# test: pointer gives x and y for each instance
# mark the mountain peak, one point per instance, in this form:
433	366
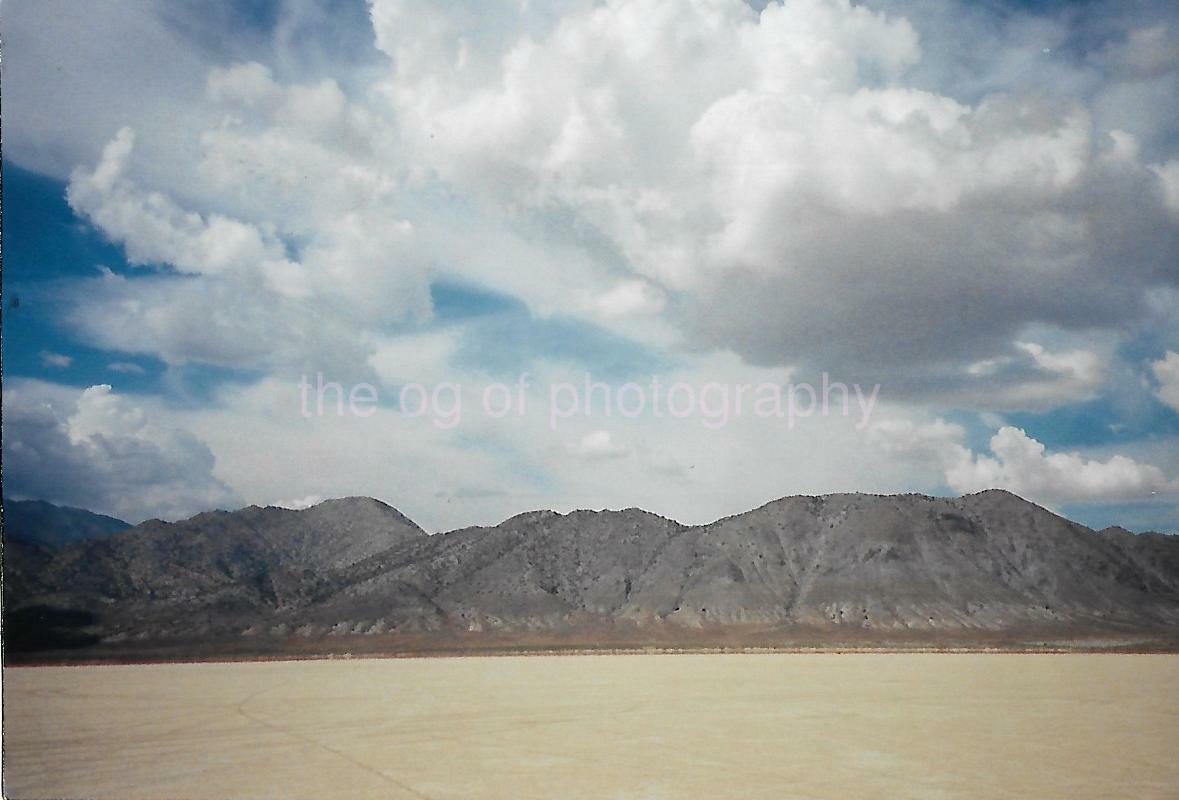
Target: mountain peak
998	494
354	500
358	507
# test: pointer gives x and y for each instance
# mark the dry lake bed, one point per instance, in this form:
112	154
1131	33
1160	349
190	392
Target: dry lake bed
609	726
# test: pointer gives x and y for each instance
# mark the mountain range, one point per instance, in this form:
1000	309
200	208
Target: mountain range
355	575
45	524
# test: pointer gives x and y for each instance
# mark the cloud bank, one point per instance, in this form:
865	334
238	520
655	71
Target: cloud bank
1023	465
101	451
973	206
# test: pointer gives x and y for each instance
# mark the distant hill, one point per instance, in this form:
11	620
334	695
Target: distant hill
356	574
47	525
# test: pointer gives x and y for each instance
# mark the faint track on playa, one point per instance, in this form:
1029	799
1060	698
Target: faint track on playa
240	708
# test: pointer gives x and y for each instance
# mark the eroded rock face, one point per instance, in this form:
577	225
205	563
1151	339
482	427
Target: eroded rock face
356	567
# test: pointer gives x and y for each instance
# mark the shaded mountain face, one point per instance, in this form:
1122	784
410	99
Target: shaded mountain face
205	574
44	524
875	565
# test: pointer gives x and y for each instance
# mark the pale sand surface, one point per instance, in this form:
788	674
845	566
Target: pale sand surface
724	726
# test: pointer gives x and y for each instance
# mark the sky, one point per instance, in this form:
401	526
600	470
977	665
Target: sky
687	255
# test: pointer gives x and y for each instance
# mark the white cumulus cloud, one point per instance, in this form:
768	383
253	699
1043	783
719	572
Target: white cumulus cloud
972	209
1020	464
778	172
99	450
598	445
1166	372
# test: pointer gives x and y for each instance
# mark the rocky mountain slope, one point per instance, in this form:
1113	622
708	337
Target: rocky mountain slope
876	567
47	525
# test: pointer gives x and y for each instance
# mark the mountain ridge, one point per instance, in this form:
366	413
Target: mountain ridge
48	525
877	567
